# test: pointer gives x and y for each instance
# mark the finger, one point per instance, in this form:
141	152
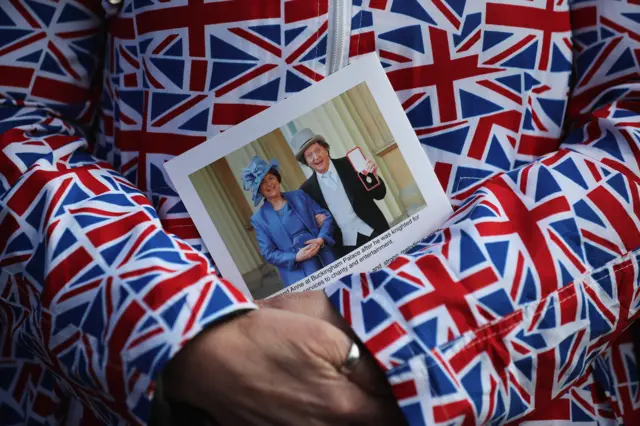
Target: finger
368	375
346	401
370	379
350	404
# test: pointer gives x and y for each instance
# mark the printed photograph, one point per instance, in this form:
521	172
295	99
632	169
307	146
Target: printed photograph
309	193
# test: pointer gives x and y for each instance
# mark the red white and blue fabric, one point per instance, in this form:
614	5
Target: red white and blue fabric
515	311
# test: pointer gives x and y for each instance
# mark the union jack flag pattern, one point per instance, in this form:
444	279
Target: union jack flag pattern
515	311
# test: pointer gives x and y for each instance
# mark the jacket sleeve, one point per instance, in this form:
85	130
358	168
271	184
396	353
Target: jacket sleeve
326	230
92	286
269	251
380	191
532	278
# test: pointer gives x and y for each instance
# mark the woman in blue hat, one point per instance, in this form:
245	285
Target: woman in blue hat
286	229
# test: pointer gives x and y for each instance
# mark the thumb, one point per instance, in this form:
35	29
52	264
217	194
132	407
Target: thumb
365	385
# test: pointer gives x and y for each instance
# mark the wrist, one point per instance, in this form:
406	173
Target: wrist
181	379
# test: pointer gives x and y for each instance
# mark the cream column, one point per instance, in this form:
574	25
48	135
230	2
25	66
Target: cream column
227	219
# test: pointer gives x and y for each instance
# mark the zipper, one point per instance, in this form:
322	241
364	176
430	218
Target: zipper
339	32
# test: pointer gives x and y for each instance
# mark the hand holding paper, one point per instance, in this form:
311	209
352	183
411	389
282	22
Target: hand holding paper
371	168
360	163
368	375
358	160
234	381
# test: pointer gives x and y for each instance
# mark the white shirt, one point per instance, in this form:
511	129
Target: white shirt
340	206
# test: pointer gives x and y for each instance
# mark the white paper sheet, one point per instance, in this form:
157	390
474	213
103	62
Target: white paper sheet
417	223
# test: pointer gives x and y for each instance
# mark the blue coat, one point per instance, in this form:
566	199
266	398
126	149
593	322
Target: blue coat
276	247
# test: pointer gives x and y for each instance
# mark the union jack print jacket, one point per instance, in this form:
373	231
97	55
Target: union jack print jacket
516	311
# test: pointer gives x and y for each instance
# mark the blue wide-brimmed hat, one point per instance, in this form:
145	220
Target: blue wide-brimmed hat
253	175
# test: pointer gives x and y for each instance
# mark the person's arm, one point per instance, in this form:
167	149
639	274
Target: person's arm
533	277
91	274
269	251
91	253
328	224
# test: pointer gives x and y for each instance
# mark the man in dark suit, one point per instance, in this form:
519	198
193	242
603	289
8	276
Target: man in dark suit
336	186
